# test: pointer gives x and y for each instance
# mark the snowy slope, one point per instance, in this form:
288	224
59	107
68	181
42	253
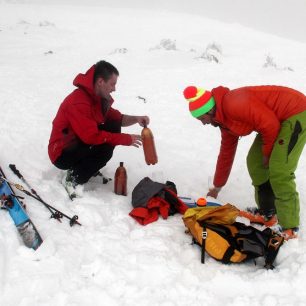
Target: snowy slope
111	260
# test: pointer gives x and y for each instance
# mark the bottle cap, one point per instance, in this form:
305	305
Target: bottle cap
201	202
121	164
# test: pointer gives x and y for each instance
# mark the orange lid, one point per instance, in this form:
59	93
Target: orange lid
201	202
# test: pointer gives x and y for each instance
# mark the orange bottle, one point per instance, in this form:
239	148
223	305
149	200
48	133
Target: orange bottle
148	146
120	180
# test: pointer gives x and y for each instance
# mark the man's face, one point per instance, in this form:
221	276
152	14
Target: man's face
205	119
105	88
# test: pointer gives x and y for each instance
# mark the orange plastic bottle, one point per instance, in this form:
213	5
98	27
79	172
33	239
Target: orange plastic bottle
148	146
120	180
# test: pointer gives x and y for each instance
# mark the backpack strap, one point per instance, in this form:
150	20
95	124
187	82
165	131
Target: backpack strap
224	232
204	236
273	247
228	254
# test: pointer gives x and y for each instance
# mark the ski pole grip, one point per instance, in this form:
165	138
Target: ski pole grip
14	169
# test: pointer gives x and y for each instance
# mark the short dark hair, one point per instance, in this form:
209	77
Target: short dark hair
104	70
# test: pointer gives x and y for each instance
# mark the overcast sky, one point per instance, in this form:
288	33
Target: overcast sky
286	18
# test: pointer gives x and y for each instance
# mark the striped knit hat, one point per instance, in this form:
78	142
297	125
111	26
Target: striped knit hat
200	100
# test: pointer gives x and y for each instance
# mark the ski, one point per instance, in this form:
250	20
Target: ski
54	214
10	202
253	215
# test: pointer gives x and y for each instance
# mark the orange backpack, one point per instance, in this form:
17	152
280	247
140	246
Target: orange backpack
215	229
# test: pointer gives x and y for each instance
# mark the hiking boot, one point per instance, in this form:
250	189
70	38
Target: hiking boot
270	221
70	184
290	233
101	178
255	216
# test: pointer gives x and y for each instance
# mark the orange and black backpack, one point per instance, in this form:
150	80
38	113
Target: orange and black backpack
215	229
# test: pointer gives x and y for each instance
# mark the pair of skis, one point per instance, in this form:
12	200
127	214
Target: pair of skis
55	213
11	202
15	207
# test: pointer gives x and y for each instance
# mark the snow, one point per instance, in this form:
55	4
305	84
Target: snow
111	259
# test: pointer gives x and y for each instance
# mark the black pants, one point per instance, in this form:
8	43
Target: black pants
86	160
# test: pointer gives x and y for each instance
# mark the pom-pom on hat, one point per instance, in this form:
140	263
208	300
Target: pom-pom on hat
200	100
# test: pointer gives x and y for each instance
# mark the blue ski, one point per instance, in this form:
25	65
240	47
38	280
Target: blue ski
12	204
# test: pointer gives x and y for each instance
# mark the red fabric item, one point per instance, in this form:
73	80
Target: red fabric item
156	206
149	214
79	116
242	111
161	205
181	206
144	216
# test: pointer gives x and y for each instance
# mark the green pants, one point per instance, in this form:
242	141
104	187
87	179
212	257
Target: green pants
275	186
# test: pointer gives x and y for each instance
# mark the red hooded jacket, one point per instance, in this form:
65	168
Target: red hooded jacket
242	111
78	117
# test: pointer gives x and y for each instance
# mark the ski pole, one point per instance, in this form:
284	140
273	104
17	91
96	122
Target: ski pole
54	214
58	214
16	171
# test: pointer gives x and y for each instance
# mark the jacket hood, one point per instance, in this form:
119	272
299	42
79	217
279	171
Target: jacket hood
218	94
85	81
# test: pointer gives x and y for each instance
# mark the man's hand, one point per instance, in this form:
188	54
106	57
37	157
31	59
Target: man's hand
213	192
143	120
136	140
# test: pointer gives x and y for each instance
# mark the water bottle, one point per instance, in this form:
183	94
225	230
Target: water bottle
148	146
120	180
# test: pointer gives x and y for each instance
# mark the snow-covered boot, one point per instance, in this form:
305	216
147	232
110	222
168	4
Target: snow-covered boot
70	184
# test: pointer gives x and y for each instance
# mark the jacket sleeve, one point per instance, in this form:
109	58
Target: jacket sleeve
114	114
226	158
86	128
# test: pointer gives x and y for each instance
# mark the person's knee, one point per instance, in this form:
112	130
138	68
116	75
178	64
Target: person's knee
61	164
104	151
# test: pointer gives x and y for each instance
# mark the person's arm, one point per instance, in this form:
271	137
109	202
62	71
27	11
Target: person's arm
224	163
128	120
85	127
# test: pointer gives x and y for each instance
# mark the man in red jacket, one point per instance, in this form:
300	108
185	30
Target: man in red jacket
278	115
87	128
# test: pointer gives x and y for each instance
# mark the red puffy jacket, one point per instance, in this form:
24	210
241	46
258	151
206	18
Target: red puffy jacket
241	111
78	117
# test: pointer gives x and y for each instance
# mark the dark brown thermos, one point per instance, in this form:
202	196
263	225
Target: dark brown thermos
120	180
148	146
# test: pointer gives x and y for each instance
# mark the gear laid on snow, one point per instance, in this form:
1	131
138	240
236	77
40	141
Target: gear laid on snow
14	206
151	199
55	213
215	229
